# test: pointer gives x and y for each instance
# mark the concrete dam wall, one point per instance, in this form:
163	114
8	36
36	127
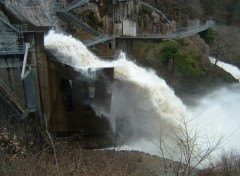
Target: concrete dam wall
34	83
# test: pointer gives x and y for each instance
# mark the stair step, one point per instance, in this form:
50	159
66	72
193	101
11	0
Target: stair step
79	23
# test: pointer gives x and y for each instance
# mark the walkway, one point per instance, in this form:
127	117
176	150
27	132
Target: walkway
176	35
97	40
100	37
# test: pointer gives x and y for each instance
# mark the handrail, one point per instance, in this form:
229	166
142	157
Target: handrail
176	35
76	4
81	24
5	85
12	48
97	40
8	24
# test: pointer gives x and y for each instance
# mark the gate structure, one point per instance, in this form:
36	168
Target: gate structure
34	84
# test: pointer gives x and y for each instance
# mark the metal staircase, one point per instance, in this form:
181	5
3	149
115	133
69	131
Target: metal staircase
78	22
99	37
75	4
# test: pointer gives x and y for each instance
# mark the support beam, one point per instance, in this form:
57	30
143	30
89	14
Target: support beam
23	73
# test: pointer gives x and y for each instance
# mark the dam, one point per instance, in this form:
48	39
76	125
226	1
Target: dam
36	85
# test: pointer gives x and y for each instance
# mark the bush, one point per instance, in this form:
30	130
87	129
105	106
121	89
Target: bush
208	36
169	50
227	164
183	56
186	64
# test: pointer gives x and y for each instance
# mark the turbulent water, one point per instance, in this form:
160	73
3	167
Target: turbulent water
233	70
220	111
144	108
153	94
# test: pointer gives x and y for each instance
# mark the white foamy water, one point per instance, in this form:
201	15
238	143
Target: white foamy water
143	105
219	110
72	52
233	70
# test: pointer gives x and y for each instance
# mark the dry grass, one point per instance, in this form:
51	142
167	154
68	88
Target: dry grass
76	161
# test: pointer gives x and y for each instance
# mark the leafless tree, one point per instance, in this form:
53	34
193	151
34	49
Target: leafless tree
189	149
121	132
228	164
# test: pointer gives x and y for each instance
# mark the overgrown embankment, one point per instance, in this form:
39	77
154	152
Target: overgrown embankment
184	64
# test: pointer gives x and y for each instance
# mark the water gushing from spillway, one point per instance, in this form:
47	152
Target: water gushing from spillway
143	105
233	70
158	97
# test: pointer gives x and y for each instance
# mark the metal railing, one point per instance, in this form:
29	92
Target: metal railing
12	49
97	40
5	86
9	25
76	4
11	36
176	35
99	37
78	22
21	27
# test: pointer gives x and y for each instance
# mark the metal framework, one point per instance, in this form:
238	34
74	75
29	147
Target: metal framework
76	4
78	22
99	37
11	37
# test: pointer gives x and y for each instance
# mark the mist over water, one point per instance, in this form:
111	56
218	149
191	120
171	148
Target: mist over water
220	111
143	105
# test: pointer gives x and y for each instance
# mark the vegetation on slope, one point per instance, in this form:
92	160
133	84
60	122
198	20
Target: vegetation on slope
208	36
184	64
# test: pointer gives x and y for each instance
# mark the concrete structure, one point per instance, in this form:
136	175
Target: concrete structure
35	84
73	98
129	28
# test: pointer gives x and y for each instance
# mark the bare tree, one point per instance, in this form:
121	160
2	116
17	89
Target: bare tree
121	132
228	164
189	149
